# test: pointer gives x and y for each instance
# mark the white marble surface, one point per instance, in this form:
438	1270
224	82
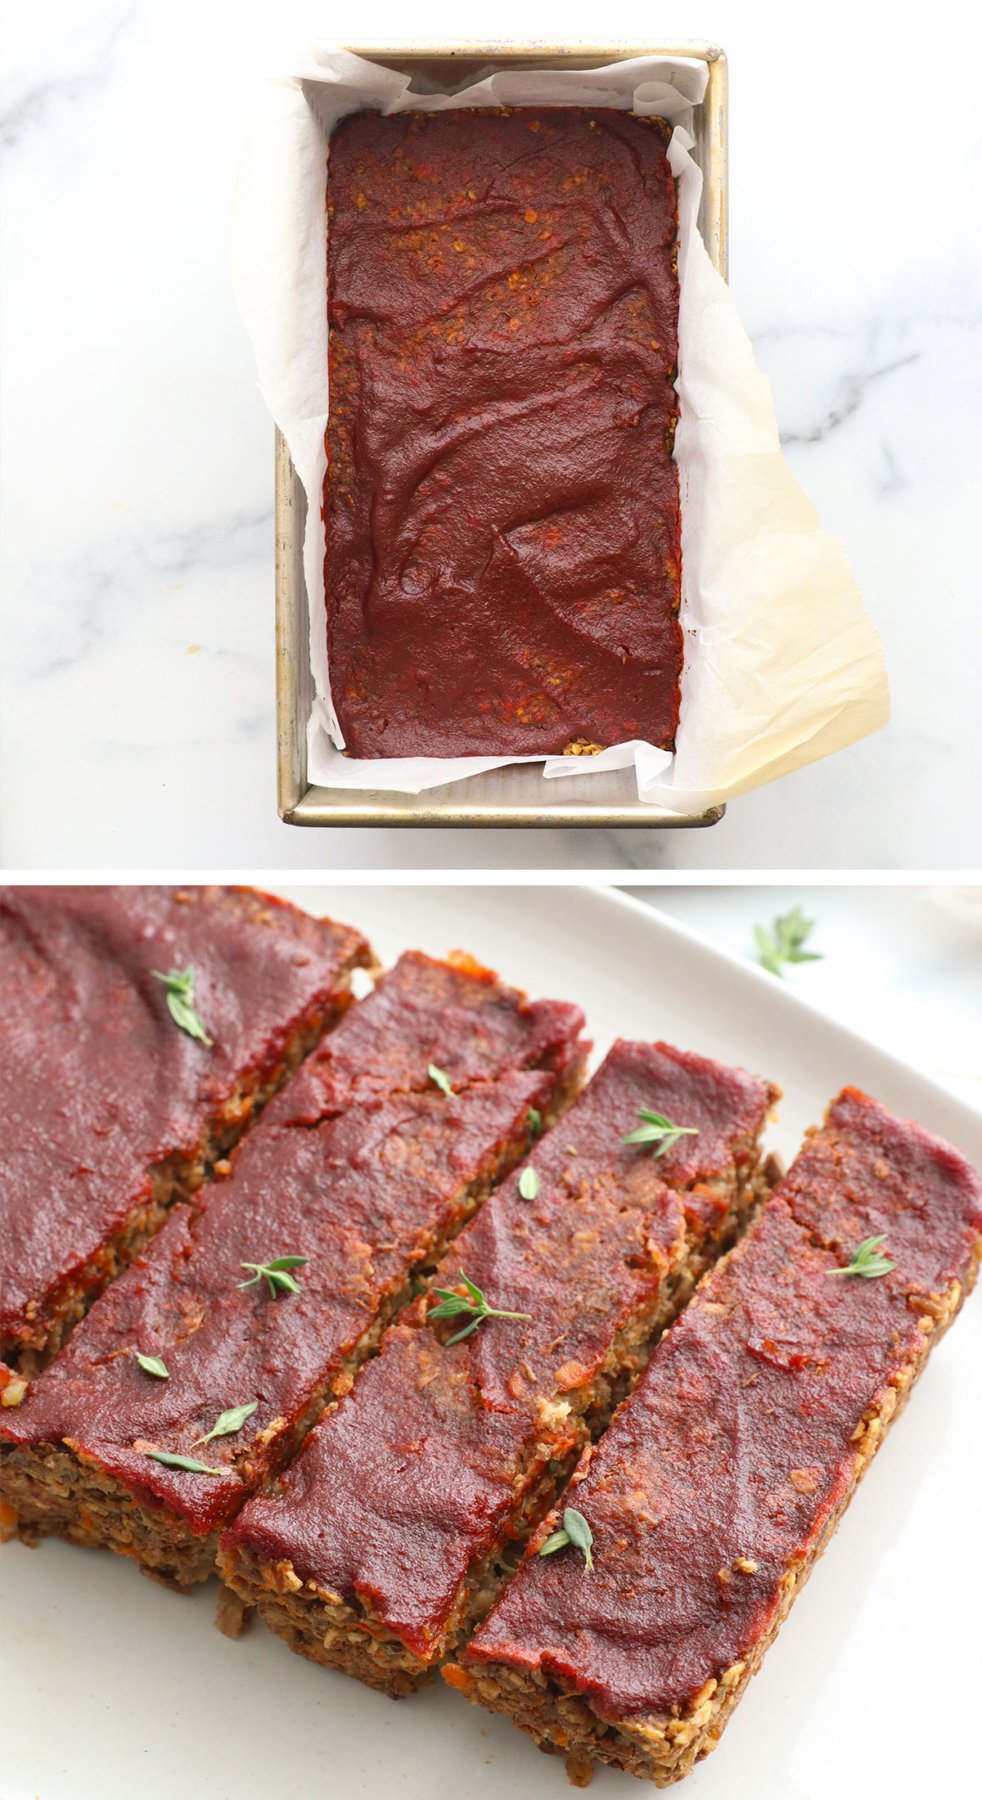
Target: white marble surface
136	707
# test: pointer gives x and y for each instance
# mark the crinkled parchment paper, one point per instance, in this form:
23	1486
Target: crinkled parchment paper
782	663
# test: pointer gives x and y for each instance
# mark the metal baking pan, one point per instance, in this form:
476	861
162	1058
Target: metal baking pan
516	795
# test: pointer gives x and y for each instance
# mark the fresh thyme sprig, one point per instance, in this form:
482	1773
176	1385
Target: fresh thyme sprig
656	1129
276	1273
440	1080
228	1422
152	1365
528	1184
783	941
190	1463
180	1002
575	1531
452	1303
866	1261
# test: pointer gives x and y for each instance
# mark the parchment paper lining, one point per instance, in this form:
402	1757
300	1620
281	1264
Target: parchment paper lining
782	664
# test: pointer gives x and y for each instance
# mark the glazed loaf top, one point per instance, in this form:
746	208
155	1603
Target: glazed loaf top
501	503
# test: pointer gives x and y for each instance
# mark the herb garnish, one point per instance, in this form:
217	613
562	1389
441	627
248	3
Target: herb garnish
190	1463
782	943
535	1122
575	1531
441	1080
227	1422
152	1365
528	1184
659	1130
180	1001
865	1260
452	1303
276	1274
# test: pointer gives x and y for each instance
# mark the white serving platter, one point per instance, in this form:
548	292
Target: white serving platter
116	1688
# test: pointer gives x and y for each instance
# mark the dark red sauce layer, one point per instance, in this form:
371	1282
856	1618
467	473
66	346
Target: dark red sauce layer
98	1083
454	1014
867	1172
501	504
358	1189
721	1472
415	1477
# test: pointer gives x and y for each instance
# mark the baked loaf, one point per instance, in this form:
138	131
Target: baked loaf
408	1507
501	504
361	1168
725	1474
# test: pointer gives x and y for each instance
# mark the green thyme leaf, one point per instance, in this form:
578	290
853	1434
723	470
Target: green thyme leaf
783	942
453	1304
579	1533
459	1336
152	1365
228	1422
535	1122
576	1531
277	1274
472	1288
190	1463
528	1184
441	1080
865	1260
656	1129
180	1002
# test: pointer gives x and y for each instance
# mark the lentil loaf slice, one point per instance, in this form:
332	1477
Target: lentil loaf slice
109	1111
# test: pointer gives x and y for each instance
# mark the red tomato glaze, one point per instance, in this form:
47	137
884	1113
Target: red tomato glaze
501	504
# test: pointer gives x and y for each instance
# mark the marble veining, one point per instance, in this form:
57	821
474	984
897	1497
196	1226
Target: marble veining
90	63
136	674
